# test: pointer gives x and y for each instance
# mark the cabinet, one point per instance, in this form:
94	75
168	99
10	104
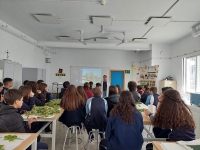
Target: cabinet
33	74
11	70
167	83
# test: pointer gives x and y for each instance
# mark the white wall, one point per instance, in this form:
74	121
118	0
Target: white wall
145	58
181	47
21	51
114	59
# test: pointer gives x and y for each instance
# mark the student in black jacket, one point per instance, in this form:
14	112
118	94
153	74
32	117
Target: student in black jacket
10	120
38	95
73	104
132	88
112	99
8	83
66	84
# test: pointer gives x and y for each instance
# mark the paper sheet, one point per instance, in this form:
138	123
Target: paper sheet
141	106
11	145
171	146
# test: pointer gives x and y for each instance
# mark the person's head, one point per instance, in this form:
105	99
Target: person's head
153	90
91	83
66	84
119	89
139	87
8	82
173	113
160	97
24	83
96	91
13	97
71	100
33	85
104	77
81	91
26	92
132	85
43	87
98	85
124	108
40	81
145	88
112	90
1	86
86	85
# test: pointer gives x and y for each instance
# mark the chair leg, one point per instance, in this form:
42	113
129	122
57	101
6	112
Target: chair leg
97	134
65	139
76	139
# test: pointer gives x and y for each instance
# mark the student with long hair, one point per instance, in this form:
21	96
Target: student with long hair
132	88
81	91
38	95
125	125
87	90
112	99
119	89
73	104
173	119
145	94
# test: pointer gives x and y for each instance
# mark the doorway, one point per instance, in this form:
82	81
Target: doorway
118	77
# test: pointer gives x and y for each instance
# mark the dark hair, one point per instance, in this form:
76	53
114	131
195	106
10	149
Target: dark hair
33	85
125	108
173	112
6	80
96	91
24	83
119	88
40	81
12	95
71	100
153	89
1	84
146	88
98	84
166	88
25	91
105	76
42	87
66	84
112	90
132	86
139	87
86	85
91	83
81	91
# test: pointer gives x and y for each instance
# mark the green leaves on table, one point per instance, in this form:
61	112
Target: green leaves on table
2	147
11	138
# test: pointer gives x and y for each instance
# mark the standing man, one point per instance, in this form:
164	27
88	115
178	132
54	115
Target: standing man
105	86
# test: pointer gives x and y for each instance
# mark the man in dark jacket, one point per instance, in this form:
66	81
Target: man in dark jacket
10	120
8	83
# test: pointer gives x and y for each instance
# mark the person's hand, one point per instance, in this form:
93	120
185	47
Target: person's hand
39	92
147	112
46	89
30	121
31	94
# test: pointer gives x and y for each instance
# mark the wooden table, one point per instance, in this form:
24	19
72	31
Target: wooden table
156	145
31	140
53	121
146	119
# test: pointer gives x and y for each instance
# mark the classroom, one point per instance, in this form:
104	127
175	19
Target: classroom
99	75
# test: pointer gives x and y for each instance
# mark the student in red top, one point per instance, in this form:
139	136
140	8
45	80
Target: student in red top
87	90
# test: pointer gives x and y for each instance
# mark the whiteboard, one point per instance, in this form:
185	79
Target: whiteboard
80	75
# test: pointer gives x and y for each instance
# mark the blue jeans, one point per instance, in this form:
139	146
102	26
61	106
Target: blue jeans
104	94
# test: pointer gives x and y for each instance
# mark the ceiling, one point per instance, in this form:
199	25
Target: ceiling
128	16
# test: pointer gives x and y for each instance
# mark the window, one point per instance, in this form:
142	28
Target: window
192	74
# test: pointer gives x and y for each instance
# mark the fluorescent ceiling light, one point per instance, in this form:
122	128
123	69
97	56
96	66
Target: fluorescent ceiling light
106	21
64	38
47	18
102	40
158	22
140	39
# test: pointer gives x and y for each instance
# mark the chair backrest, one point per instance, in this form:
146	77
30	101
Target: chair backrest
101	147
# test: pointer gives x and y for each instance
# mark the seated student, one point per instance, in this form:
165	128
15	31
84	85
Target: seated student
81	91
66	84
44	89
38	95
153	97
91	84
145	94
1	95
28	100
96	110
10	120
139	89
87	90
132	88
40	81
98	85
119	89
8	83
125	125
73	104
112	99
175	118
26	81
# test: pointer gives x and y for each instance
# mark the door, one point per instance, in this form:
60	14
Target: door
117	77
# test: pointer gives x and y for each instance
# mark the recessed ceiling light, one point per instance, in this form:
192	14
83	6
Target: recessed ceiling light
158	22
47	18
106	21
64	38
140	39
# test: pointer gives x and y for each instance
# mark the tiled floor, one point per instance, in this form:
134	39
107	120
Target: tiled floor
60	136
